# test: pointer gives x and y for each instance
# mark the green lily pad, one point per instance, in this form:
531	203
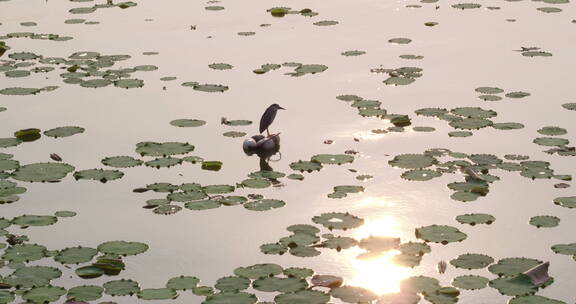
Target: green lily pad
157	294
546	221
258	271
256	183
507	126
44	294
85	293
98	175
220	66
568	249
24	253
267	174
399	80
464	6
231	297
75	255
333	158
121	162
167	209
353	294
515	286
187	123
210	88
534	299
412	161
570	106
212	165
186	196
536	54
264	204
129	83
6	297
307	166
65	213
19	91
149	148
162	187
512	266
400	40
338	220
298	272
460	134
95	83
325	23
536	172
232	284
302	297
42	172
470	282
218	189
237	122
339	243
89	272
34	220
214	8
472	261
420	175
203	291
202	205
303	228
431	112
490	97
475	218
182	283
8	165
414	248
353	53
550	141
489	90
274	248
32	276
440	234
567	201
121	287
272	284
473	112
122	248
419	284
552	131
163	162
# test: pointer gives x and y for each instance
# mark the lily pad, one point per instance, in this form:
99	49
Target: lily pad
157	294
75	255
546	221
121	287
210	88
475	218
264	204
400	40
149	148
566	201
470	282
568	249
512	266
515	286
163	162
258	271
272	284
232	284
32	276
44	294
231	297
182	283
353	294
472	261
333	158
121	162
34	220
85	293
307	166
440	234
338	220
42	172
302	297
412	161
98	175
187	123
122	248
534	299
420	175
551	141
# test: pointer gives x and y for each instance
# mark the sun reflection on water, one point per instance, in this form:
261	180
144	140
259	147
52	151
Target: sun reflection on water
379	274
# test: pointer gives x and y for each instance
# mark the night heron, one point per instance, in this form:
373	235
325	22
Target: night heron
268	117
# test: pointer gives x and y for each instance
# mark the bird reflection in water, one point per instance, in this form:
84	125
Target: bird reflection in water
378	273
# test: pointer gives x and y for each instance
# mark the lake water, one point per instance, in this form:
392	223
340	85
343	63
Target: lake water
467	49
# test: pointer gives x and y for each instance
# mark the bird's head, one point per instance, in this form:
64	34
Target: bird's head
277	107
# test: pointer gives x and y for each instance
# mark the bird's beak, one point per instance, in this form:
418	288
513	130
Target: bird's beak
281	108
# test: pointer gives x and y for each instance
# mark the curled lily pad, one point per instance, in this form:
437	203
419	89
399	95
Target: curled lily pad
42	172
472	261
157	294
85	293
75	255
121	161
149	148
44	294
338	220
412	161
512	266
122	248
188	123
211	165
121	287
98	175
302	297
546	221
27	135
475	218
440	234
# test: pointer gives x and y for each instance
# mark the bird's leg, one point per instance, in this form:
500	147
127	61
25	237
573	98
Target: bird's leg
267	132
